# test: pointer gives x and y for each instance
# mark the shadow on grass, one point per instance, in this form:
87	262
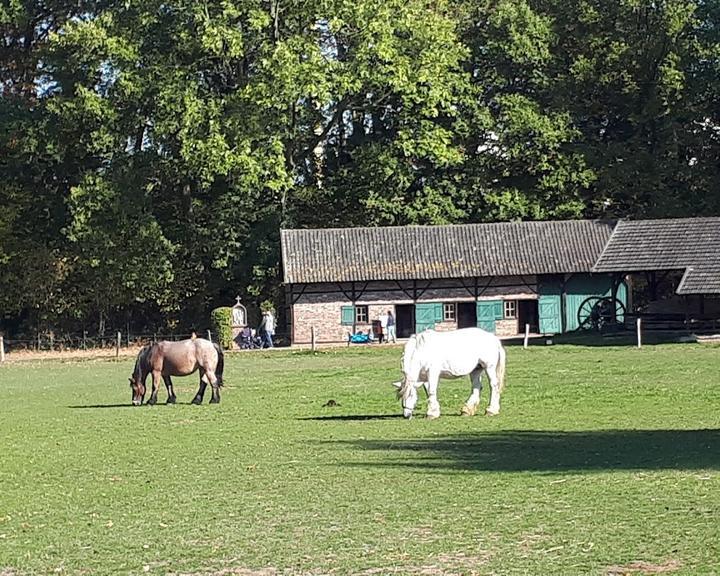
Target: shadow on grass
353	417
157	406
81	407
550	451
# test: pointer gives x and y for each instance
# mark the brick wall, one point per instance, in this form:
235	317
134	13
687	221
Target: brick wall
321	305
506	327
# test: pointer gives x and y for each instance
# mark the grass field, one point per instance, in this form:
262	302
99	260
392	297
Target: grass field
603	461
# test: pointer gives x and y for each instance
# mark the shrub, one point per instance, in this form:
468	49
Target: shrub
221	326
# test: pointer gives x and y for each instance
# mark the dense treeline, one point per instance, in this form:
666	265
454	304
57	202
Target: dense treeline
151	150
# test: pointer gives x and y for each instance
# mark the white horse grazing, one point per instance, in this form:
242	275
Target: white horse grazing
432	355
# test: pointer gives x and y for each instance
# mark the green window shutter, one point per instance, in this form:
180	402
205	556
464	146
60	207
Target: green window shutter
499	310
487	313
439	312
347	315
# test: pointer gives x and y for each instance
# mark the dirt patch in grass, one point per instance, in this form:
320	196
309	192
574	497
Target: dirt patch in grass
232	572
458	564
637	567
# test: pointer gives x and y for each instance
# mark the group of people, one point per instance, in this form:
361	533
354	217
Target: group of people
386	333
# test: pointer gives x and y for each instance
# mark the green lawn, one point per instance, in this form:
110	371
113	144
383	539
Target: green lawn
603	461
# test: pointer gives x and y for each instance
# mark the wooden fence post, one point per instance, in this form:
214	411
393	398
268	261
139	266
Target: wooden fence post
527	335
639	333
209	335
2	349
117	346
312	338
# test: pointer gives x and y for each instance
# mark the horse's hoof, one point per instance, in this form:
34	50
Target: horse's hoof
489	412
196	401
151	402
468	410
171	400
213	401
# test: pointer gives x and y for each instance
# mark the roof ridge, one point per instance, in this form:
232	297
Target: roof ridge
513	223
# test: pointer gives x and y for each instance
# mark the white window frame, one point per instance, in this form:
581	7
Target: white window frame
361	315
510	309
449	312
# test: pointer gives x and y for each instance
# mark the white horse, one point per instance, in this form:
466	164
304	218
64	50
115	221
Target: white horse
432	355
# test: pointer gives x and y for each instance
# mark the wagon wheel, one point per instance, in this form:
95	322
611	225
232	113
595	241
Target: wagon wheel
612	311
588	313
595	312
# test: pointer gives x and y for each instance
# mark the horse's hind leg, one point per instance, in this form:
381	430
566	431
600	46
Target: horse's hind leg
170	390
210	375
471	404
494	408
201	391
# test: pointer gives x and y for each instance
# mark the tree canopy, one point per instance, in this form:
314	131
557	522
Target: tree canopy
151	151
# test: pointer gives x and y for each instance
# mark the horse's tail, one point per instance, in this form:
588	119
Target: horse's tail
500	370
220	364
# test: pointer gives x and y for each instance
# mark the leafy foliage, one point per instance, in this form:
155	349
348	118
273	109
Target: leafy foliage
151	151
221	326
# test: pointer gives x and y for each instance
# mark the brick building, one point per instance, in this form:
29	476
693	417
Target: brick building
552	276
497	276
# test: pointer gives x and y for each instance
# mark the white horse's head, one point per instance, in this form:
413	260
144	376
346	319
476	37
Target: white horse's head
407	389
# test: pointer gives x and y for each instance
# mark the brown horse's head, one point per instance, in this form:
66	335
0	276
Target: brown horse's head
137	380
138	390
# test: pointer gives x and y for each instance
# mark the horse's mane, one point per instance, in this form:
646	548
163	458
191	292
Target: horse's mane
141	362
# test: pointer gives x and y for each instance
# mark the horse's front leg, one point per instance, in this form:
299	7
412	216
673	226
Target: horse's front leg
170	390
433	408
201	391
155	383
471	404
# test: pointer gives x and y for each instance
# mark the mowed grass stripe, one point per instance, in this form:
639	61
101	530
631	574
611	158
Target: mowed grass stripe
601	457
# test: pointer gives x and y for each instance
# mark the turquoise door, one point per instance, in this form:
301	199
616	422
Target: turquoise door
549	306
488	311
427	315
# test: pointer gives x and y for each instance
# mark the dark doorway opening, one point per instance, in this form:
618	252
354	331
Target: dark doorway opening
404	320
466	314
527	311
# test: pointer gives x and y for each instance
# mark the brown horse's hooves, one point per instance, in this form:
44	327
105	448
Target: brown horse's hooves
196	401
213	401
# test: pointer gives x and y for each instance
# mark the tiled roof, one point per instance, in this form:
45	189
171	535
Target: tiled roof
673	244
701	280
427	252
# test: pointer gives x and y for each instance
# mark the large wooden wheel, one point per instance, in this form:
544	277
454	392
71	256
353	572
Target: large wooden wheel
596	312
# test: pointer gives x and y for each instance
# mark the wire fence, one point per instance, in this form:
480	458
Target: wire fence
49	342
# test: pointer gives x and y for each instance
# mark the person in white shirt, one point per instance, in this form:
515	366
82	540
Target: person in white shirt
267	329
383	327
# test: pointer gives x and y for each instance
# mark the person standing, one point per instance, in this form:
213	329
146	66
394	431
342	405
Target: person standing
267	329
383	327
391	337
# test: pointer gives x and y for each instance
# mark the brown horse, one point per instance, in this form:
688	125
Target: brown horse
182	358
